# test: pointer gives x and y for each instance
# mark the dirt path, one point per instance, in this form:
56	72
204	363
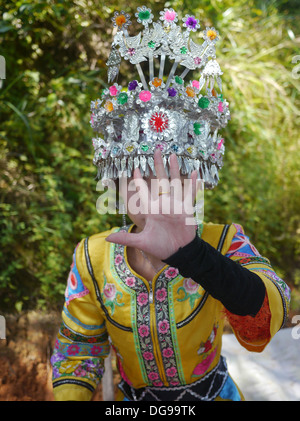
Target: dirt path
25	370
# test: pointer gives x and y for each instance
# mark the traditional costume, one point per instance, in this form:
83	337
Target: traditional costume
167	333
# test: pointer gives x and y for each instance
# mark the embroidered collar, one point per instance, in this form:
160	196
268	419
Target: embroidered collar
127	274
143	297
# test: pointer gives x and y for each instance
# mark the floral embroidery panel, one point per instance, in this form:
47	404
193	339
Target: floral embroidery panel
208	353
142	317
143	322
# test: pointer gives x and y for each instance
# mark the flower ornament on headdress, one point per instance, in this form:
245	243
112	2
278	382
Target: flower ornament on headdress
144	15
121	20
165	111
191	23
168	16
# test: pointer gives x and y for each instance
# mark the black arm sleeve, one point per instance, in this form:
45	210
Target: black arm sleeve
241	291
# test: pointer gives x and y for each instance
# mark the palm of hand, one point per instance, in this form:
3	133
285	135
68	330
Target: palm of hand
169	223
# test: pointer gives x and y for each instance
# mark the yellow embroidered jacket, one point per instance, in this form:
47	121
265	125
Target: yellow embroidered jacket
167	335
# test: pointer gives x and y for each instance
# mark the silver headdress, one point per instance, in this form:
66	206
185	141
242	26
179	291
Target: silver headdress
166	112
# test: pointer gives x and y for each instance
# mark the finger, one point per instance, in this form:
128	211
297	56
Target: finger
176	185
199	190
161	183
194	185
174	167
141	184
159	165
124	238
190	191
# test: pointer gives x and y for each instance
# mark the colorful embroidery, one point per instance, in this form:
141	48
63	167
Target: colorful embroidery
73	336
282	287
275	278
79	349
240	245
91	369
110	296
141	319
203	367
164	322
171	273
75	287
205	350
191	291
250	260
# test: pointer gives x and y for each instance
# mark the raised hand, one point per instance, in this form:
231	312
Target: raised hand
163	232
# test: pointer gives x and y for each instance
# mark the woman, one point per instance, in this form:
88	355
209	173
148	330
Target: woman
157	293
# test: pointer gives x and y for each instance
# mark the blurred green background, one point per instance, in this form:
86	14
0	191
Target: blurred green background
55	54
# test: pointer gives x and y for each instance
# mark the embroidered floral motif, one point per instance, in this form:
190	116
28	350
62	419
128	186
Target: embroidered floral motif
143	331
110	296
168	352
206	346
91	368
171	273
205	350
142	299
190	289
161	294
142	319
148	355
79	349
130	281
118	259
163	324
203	367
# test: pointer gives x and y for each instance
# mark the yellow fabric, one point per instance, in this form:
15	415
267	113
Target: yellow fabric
69	392
198	340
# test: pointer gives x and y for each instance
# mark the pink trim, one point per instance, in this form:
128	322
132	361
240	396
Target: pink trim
78	295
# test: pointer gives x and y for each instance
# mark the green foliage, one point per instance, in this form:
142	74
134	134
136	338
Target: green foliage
55	55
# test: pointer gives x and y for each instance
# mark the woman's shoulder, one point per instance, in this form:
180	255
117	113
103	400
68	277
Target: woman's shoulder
213	233
99	239
91	251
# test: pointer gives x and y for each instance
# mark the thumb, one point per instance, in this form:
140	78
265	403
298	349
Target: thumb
124	238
